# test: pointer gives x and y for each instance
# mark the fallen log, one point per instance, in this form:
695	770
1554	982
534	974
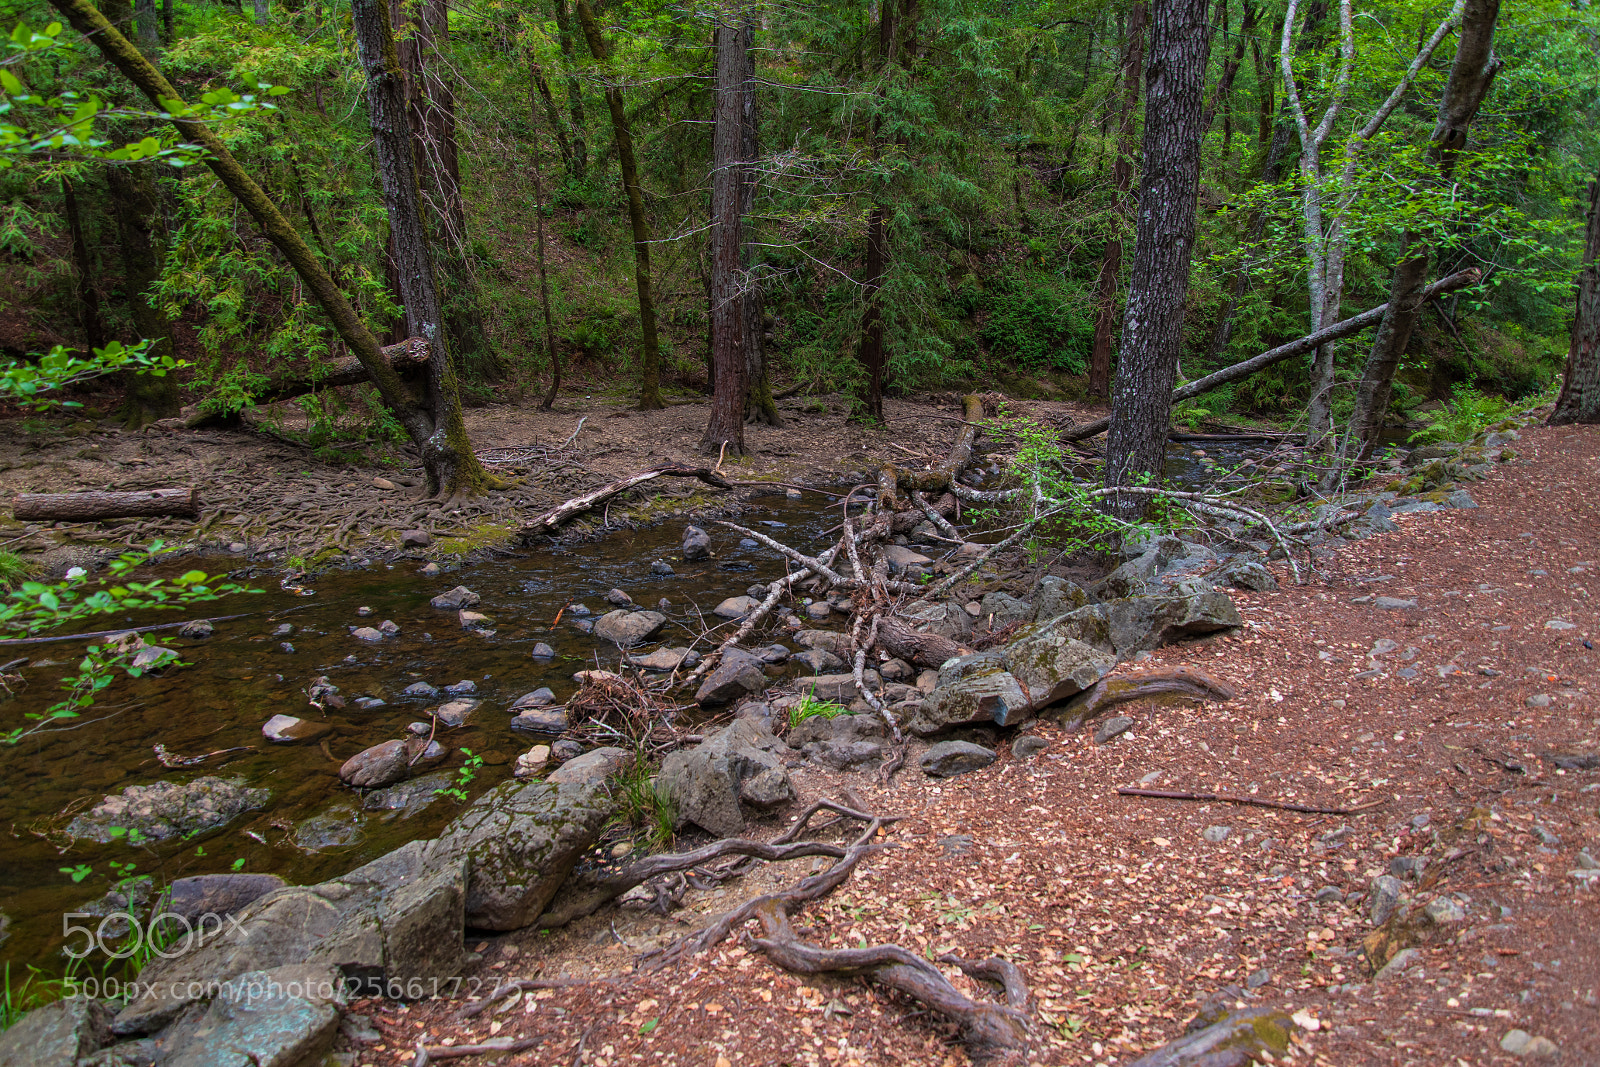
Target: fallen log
920	650
563	513
1345	328
90	507
410	354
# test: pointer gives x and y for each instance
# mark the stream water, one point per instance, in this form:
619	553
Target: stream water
314	826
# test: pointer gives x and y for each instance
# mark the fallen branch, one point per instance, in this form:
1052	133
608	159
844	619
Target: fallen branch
426	1054
13	642
181	503
517	985
563	513
1233	798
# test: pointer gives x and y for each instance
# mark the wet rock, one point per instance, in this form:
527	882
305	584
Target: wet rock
456	599
1383	897
420	690
389	762
1028	746
217	894
542	651
1112	728
335	828
420	729
593	767
368	633
665	659
705	782
662	568
818	611
1247	574
550	722
167	809
950	758
198	628
578	609
284	630
733	678
773	654
388	628
536	699
415	539
837	643
410	797
901	557
56	1034
363	611
819	661
431	570
461	688
696	543
519	841
532	761
474	620
735	607
749	543
455	713
629	629
287	730
617	598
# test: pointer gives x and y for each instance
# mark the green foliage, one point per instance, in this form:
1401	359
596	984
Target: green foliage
1462	417
22	994
1033	326
643	804
811	708
13	568
466	774
31	384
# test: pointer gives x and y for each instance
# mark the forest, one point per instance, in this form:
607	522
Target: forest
873	198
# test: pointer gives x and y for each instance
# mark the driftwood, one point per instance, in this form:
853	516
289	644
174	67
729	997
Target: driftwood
563	513
921	650
1234	798
89	507
1344	328
410	354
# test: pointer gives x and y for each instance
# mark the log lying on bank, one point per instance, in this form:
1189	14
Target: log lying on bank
1309	343
411	354
183	503
565	512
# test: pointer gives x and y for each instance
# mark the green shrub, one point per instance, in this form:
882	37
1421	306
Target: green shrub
1462	417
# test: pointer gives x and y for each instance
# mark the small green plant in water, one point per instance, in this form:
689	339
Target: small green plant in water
466	774
810	708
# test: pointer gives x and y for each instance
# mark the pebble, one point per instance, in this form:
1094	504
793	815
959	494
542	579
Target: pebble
542	651
286	647
363	611
1112	728
661	567
1258	979
431	570
1393	603
388	627
366	633
1539	700
1216	834
283	631
1560	624
420	689
618	598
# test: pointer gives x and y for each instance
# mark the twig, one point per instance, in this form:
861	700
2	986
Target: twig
517	985
568	442
1230	798
428	1053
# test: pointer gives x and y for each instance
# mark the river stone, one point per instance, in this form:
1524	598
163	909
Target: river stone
542	651
665	659
818	611
461	688
532	761
420	689
338	826
992	697
593	767
618	599
382	764
456	599
837	688
736	607
773	654
733	678
1247	574
166	809
217	894
705	781
56	1034
1057	596
696	543
473	620
537	699
286	730
661	568
828	640
627	629
368	633
900	557
551	722
282	1017
950	758
196	628
819	661
455	713
520	840
410	797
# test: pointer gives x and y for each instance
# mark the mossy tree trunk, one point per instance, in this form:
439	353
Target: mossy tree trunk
650	343
761	408
579	164
1580	388
136	206
725	428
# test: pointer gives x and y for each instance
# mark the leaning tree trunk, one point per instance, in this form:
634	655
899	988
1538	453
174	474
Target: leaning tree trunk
134	200
725	429
1141	403
442	465
1105	312
1471	75
650	343
458	469
1580	389
580	152
93	326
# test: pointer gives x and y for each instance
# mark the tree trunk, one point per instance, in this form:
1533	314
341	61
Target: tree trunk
761	407
134	200
580	159
166	19
459	470
1158	284
149	23
447	456
261	12
871	352
650	344
552	113
1580	388
1121	180
553	356
725	430
89	320
1471	75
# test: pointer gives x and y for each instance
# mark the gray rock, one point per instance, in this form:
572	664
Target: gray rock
56	1034
336	828
705	781
461	688
549	722
519	841
388	627
662	568
841	728
1216	834
408	798
1515	1042
537	699
828	640
1398	964
455	712
389	762
773	654
766	789
276	1018
897	670
819	661
578	609
431	570
838	688
369	633
1442	911
665	659
842	755
456	599
591	768
755	709
1057	596
1247	573
736	607
1051	666
1460	498
1391	603
950	758
1112	728
818	611
1004	609
474	620
733	678
947	619
196	628
420	690
1258	979
696	543
287	730
900	557
163	810
1383	897
617	598
217	894
995	697
1193	608
542	651
566	750
1028	746
629	629
415	539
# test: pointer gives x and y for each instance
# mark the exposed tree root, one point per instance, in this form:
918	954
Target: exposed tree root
1121	689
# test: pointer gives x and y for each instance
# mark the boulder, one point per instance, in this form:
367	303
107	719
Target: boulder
593	767
705	781
56	1034
629	629
281	1017
992	697
837	688
519	841
947	619
950	758
767	789
461	688
1057	596
382	764
1003	609
551	722
900	557
167	809
819	661
696	543
973	663
1052	666
736	607
287	730
456	599
408	798
415	539
818	611
537	699
339	826
1192	608
733	678
841	728
827	640
217	894
1246	573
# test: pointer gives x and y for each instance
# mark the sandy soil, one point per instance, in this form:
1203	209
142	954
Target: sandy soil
1125	913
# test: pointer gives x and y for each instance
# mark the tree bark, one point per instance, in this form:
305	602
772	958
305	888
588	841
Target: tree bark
261	12
1121	180
872	353
134	200
149	24
1580	388
88	507
553	356
650	344
89	320
443	468
725	429
552	113
580	153
1471	75
409	356
762	408
1159	279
